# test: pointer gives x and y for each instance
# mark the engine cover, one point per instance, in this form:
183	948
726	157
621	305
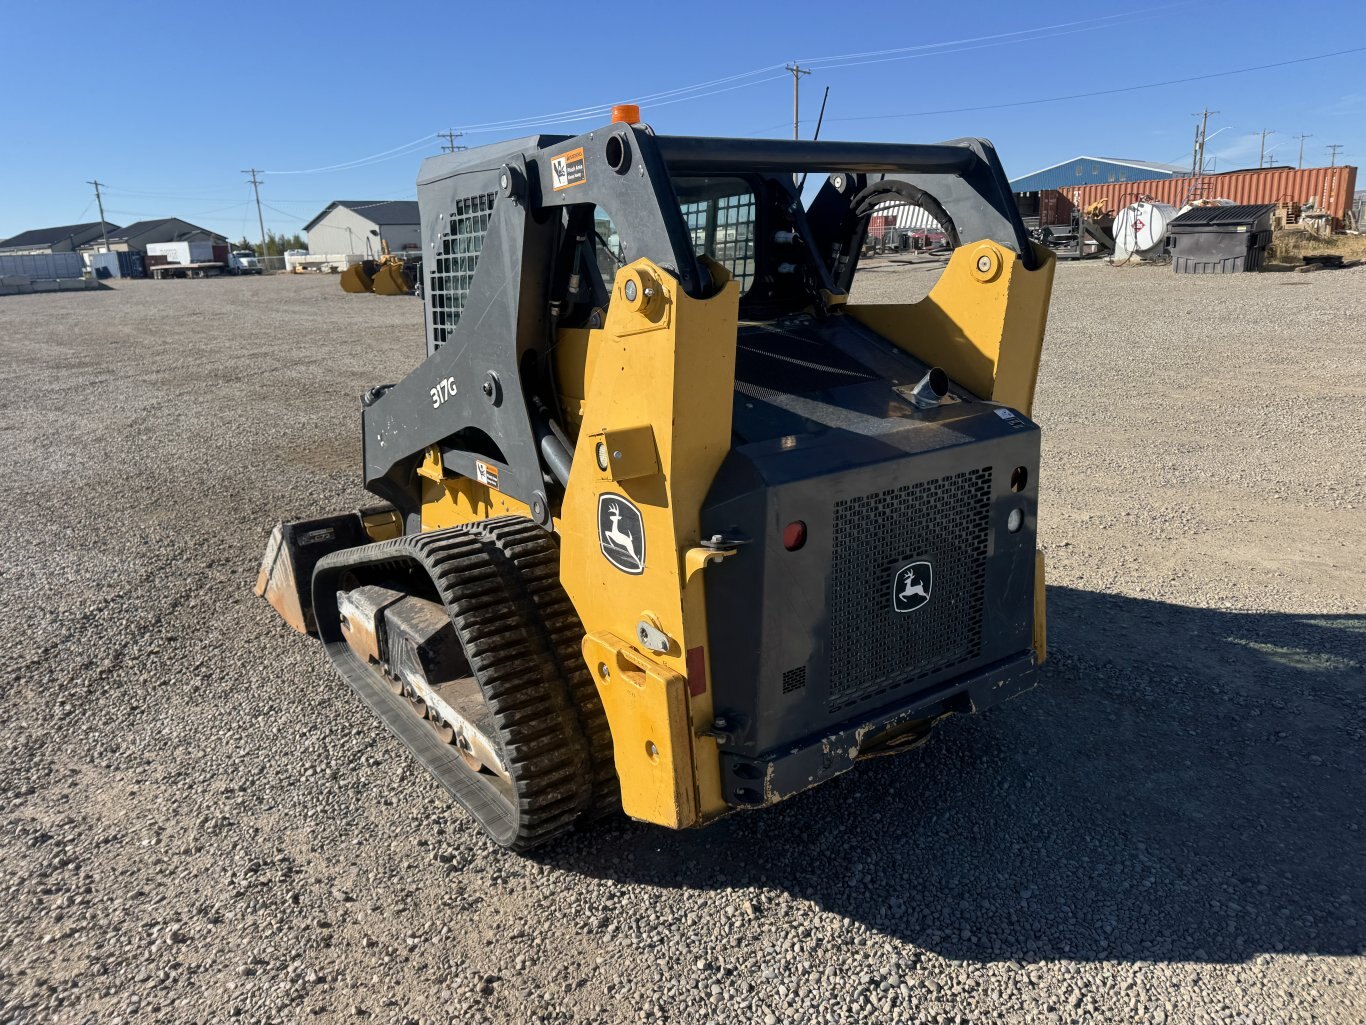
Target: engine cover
908	581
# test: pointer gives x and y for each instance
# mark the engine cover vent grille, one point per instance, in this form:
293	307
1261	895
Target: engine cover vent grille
452	271
944	522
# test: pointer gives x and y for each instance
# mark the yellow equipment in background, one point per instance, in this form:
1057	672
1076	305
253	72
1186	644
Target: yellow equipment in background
389	275
359	277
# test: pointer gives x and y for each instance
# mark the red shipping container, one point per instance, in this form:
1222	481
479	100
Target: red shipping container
1329	189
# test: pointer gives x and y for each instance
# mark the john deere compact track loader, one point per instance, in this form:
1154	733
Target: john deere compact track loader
669	524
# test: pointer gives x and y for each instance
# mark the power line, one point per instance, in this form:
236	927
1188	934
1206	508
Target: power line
1333	153
1104	92
727	83
294	218
535	122
450	136
144	194
187	213
1096	22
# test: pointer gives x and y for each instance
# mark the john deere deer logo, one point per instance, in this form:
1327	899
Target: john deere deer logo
621	534
911	586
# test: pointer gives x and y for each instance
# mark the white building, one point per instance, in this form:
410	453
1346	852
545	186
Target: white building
366	228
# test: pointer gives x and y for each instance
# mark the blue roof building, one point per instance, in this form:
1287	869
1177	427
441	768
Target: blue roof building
1094	171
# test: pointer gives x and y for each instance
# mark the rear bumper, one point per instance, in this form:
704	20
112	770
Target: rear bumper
753	782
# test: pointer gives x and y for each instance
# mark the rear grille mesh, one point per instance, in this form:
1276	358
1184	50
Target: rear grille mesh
452	270
873	648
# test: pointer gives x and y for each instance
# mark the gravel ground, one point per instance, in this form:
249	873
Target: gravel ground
199	823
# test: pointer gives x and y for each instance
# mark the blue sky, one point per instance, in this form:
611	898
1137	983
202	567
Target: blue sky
167	103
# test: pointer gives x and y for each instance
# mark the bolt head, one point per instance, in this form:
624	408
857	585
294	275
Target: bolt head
488	387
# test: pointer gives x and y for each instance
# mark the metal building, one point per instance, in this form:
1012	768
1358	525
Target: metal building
66	238
138	236
366	227
1093	171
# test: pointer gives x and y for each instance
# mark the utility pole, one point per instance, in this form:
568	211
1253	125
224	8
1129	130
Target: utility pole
1333	153
1302	137
797	72
260	221
1204	116
450	135
103	230
1195	153
1261	158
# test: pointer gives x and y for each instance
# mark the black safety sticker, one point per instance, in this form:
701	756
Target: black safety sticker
486	474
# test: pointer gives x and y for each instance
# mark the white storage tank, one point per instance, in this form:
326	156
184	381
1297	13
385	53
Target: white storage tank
1140	229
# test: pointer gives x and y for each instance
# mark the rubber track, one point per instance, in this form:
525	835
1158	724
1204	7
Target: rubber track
537	555
493	579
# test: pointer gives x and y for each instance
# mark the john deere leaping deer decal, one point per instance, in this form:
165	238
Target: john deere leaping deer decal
621	533
911	586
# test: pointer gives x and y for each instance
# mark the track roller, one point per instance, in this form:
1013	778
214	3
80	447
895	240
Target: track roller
465	645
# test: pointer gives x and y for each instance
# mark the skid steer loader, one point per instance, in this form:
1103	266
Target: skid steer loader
668	523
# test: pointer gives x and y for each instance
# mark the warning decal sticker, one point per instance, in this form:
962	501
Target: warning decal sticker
486	474
568	169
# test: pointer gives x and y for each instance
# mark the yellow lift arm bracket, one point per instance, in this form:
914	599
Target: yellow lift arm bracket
647	706
659	392
983	322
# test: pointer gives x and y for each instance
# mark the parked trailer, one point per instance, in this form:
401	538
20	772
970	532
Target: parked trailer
185	270
188	260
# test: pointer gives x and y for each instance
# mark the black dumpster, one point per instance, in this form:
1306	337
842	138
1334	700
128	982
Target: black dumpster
1221	239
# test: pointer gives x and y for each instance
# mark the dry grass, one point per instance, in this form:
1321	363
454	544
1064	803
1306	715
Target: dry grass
1291	244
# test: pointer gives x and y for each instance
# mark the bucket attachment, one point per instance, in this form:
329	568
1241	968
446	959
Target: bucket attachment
392	279
359	277
286	575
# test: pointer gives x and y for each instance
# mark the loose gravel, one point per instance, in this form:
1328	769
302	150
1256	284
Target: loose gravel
199	822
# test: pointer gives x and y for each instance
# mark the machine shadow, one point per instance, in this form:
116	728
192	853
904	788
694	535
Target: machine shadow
1184	785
